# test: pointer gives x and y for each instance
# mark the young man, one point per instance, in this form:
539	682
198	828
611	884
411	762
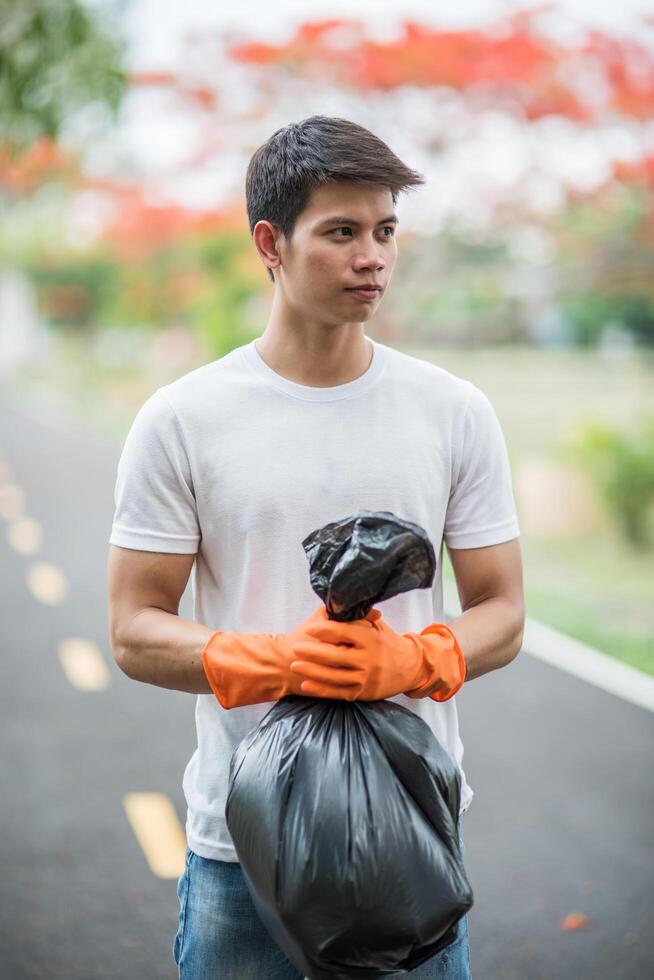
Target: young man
229	467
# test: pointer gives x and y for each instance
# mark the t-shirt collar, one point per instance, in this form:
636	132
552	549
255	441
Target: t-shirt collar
307	393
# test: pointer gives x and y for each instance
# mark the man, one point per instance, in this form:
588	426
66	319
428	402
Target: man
228	468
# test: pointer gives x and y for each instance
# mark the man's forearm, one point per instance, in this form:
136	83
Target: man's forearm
489	634
164	649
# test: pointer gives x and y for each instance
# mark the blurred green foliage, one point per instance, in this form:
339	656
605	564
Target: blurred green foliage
205	283
73	291
55	58
621	465
590	313
231	280
605	264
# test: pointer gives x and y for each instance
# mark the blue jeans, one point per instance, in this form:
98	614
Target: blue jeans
221	937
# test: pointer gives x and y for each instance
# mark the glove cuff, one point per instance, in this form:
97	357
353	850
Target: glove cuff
444	666
213	657
241	668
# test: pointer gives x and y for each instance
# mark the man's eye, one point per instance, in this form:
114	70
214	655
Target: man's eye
347	228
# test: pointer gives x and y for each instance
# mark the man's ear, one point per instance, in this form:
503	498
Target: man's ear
264	236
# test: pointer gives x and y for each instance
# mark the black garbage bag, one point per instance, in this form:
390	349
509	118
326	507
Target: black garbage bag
361	560
344	815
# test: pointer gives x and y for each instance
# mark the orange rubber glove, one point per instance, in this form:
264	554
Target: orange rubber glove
378	663
249	668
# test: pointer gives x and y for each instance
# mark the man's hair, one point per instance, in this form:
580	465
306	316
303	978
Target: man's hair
319	150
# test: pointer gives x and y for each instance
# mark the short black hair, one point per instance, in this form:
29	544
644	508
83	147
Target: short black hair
321	149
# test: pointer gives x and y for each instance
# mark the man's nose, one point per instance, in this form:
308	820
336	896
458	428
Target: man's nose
370	258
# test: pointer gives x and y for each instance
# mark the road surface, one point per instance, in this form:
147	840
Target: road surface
561	822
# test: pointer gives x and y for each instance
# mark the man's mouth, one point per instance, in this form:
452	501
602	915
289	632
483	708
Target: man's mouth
364	292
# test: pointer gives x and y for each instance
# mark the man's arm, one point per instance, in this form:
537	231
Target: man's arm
491	625
149	640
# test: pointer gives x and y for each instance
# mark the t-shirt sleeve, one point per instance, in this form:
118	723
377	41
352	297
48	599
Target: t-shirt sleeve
155	508
481	509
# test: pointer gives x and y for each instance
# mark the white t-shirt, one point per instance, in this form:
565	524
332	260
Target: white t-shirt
238	464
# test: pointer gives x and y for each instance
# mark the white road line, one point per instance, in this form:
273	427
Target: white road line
162	838
589	664
576	658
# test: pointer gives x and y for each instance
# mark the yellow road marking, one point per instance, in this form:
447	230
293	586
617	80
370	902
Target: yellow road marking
158	831
11	500
83	664
46	583
25	535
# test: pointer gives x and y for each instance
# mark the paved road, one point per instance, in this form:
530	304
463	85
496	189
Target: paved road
561	821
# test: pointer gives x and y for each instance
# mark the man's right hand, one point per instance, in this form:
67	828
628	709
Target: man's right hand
251	668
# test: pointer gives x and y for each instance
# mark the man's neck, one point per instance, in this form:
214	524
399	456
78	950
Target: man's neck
334	357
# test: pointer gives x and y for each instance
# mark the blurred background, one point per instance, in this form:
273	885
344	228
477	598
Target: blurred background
526	262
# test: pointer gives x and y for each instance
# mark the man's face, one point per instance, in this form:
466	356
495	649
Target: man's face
328	255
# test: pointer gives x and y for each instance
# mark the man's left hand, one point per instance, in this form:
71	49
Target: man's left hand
378	663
